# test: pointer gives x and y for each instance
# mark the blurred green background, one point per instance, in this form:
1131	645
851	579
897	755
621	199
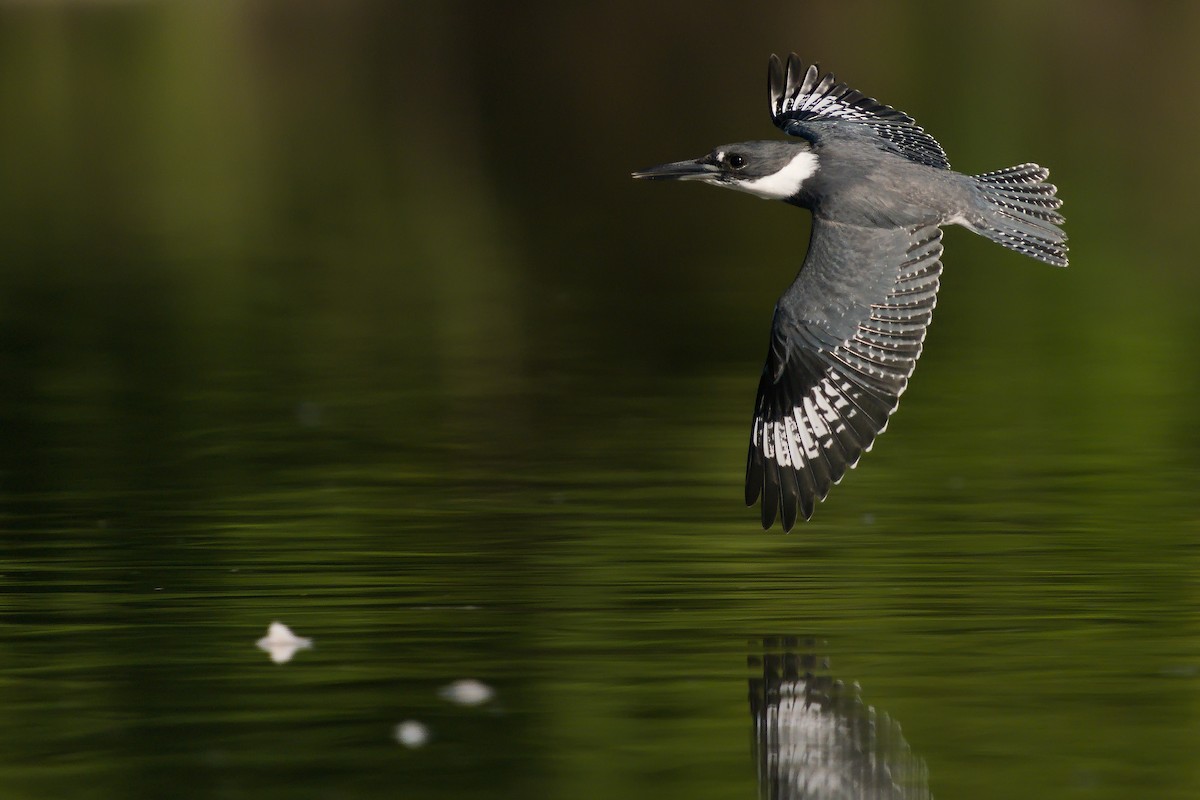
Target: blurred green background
350	311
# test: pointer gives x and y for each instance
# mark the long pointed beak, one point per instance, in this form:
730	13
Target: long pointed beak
679	171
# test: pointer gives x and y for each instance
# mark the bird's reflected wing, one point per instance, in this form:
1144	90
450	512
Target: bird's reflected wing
798	94
816	737
845	339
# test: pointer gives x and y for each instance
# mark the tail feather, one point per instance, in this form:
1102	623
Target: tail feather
1020	211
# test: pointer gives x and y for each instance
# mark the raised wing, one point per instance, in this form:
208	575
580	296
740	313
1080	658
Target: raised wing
798	94
845	339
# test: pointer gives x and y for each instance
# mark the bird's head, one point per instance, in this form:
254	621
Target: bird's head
773	170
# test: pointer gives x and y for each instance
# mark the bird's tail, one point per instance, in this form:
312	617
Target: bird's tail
1020	211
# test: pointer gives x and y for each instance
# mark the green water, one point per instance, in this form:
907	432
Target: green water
350	317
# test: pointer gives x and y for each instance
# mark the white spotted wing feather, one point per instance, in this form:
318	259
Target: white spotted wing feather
834	374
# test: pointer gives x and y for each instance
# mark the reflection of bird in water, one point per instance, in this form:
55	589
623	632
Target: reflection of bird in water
815	739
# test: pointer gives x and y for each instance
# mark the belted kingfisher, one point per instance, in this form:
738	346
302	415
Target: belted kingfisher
847	333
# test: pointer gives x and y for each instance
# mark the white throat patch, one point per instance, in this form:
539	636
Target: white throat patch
784	183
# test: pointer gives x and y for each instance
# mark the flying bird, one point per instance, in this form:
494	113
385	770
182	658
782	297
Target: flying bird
847	333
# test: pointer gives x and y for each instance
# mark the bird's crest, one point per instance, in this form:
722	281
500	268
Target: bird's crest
799	94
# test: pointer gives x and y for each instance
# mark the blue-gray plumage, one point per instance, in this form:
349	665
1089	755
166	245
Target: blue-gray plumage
847	334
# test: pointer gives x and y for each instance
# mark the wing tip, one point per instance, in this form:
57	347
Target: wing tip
797	93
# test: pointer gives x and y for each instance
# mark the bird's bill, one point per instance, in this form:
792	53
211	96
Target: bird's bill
679	171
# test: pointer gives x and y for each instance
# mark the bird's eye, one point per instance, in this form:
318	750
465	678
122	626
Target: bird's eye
735	160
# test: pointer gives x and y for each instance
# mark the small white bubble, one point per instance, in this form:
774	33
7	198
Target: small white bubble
281	644
411	734
467	692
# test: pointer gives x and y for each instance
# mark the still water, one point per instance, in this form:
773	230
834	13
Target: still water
605	583
300	326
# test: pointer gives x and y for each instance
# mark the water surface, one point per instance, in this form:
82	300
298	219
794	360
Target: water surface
303	320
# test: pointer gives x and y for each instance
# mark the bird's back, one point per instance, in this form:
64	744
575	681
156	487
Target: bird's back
864	181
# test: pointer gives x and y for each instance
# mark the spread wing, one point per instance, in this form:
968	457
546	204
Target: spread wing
798	94
845	339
